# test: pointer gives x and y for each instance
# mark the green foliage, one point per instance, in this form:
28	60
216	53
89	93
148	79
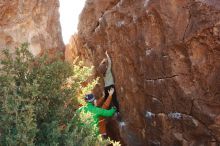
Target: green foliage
80	124
36	101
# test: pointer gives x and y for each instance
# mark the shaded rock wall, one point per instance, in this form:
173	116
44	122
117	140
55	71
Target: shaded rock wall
32	21
166	63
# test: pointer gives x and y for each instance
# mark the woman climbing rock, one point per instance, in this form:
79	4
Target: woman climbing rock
105	69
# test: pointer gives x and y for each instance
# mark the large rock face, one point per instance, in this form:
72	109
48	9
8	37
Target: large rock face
166	64
32	21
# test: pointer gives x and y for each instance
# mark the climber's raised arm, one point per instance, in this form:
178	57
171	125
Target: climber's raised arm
109	61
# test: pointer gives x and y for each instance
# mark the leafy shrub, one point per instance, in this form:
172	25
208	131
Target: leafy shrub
38	98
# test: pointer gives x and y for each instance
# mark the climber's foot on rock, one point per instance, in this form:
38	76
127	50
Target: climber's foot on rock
117	116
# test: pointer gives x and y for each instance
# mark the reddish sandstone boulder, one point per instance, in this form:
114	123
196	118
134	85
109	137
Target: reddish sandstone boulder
166	64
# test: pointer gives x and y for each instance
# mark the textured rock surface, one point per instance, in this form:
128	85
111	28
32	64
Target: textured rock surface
166	63
32	21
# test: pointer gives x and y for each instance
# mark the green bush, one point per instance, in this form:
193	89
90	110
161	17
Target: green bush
38	98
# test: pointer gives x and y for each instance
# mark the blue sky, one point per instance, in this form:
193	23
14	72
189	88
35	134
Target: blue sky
69	14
